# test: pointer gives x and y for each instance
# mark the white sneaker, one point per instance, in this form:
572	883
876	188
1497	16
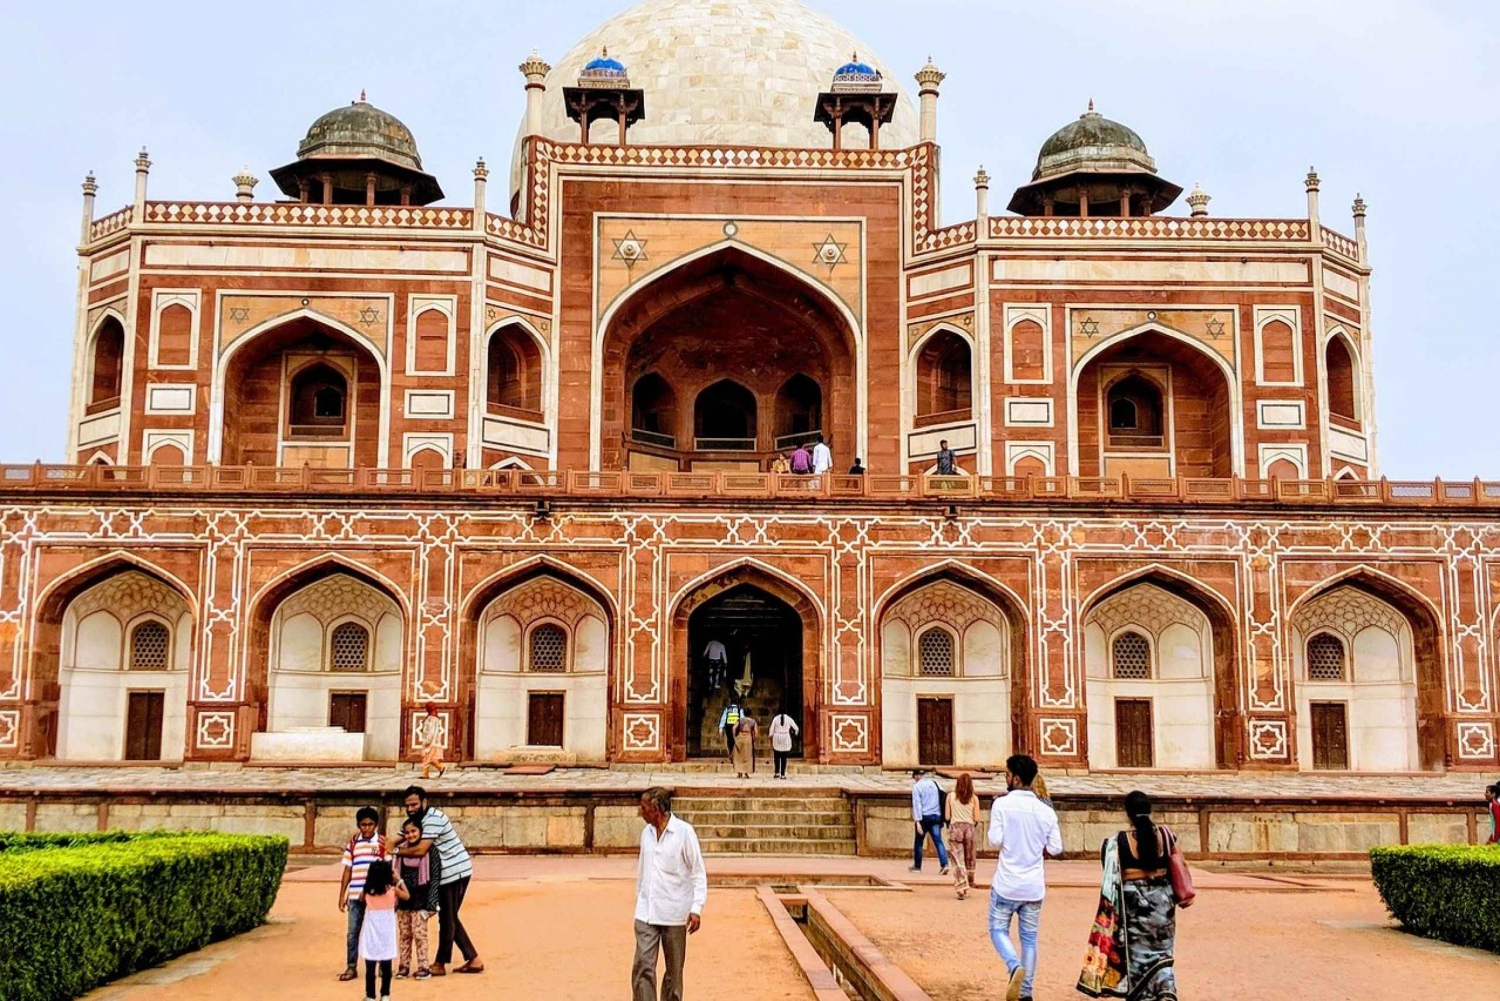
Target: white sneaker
1013	990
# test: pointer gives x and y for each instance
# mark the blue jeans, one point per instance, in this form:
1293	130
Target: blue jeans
934	827
356	914
1030	911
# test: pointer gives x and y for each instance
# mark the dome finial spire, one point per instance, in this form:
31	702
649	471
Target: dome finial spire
362	96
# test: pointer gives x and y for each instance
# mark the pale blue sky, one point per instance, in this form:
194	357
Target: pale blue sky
1396	99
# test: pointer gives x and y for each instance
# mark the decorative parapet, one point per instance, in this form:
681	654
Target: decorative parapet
949	237
150	481
1151	228
1341	244
299	214
113	223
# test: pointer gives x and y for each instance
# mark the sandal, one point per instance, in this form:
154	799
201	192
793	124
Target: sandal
469	967
348	974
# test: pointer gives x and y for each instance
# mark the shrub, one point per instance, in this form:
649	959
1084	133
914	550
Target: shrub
75	917
1448	892
15	841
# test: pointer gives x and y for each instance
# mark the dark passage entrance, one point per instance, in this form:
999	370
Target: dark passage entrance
761	638
143	722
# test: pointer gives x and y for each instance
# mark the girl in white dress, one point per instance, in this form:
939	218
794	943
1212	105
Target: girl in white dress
377	936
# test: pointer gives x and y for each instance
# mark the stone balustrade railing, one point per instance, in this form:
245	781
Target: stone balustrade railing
17	480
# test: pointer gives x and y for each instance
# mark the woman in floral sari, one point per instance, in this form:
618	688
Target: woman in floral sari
1131	946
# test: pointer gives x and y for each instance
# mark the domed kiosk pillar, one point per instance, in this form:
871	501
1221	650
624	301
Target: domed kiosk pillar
358	155
858	95
604	91
928	79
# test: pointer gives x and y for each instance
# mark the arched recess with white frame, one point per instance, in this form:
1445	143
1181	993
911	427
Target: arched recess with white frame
950	645
516	398
336	650
1354	663
1149	656
125	657
541	677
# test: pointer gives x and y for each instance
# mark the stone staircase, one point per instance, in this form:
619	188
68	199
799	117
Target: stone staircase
761	706
817	822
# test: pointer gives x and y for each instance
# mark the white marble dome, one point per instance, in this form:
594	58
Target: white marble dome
722	72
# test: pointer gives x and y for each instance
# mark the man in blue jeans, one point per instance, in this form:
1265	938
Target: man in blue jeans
1022	827
927	815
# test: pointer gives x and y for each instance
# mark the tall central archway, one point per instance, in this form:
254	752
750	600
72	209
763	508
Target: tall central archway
727	314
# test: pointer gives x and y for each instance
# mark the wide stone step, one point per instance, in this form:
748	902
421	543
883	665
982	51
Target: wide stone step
826	832
789	818
745	804
776	846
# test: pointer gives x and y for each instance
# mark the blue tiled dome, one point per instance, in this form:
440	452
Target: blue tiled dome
856	69
604	66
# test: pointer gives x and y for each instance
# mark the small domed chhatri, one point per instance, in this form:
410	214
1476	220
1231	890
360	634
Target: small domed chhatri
855	77
1094	167
358	155
604	72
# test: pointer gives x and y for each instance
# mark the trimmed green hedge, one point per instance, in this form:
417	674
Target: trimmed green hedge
1448	892
15	841
76	917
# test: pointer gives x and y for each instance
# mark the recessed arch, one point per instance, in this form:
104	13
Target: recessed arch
848	326
1225	368
518	337
1343	375
377	352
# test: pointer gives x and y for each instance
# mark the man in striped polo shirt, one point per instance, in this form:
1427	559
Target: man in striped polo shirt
438	830
363	848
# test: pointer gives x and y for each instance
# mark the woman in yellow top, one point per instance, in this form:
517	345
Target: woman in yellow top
780	465
962	813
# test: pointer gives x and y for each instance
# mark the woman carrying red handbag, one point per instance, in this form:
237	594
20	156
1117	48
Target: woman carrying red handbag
1146	879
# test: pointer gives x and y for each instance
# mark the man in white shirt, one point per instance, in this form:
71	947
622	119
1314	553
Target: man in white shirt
1022	827
822	457
671	886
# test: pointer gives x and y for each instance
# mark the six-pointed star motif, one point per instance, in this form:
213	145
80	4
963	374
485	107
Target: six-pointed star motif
369	316
1089	326
630	249
829	252
1215	327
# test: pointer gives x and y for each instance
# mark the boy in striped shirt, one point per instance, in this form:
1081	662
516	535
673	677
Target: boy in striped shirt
364	847
438	830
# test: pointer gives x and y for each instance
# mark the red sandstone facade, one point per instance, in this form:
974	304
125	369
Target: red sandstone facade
446	404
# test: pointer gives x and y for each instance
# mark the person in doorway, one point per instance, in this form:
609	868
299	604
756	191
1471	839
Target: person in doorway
927	815
1492	804
431	735
728	720
377	937
947	464
961	811
1021	829
744	745
858	469
457	869
1134	939
822	457
718	663
671	887
783	727
801	461
364	847
422	875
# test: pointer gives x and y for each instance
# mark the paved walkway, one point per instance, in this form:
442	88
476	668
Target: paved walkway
24	778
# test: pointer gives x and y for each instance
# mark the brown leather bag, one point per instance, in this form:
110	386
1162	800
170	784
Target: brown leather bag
1177	868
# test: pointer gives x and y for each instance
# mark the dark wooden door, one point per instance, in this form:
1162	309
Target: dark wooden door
935	731
544	719
143	726
347	709
1330	736
1133	737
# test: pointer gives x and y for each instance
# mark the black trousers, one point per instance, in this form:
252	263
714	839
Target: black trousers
450	928
728	740
781	757
385	978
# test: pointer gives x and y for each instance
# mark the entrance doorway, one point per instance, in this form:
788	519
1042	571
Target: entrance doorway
1134	746
1330	736
143	726
934	731
761	638
544	719
348	709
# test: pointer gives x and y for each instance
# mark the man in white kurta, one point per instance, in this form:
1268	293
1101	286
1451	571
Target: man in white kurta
671	886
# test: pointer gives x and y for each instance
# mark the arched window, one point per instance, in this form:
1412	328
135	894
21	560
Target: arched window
944	377
1325	658
515	371
150	646
1342	399
653	411
349	647
724	418
107	362
548	650
1134	406
935	654
799	411
1131	657
319	402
